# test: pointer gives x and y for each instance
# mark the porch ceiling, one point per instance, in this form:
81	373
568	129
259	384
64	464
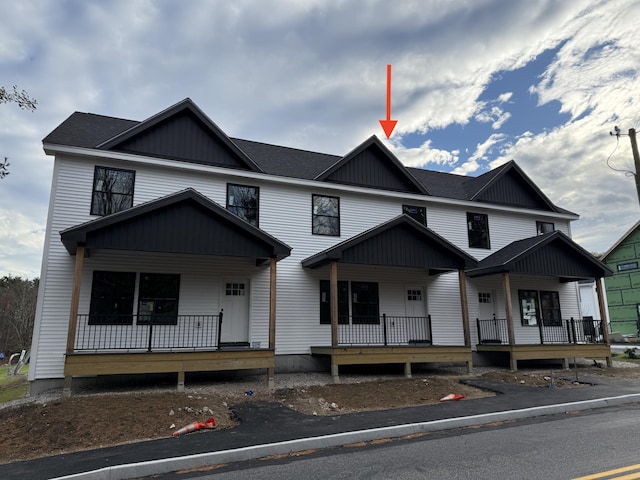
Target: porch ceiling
399	242
551	254
184	222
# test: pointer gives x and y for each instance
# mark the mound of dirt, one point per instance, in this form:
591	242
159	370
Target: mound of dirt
89	421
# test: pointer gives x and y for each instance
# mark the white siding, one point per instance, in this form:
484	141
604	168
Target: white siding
285	213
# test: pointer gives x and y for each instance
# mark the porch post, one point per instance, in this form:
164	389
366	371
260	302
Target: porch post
272	319
506	281
333	284
604	326
73	311
464	306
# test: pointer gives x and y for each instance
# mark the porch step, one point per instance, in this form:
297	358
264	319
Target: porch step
234	345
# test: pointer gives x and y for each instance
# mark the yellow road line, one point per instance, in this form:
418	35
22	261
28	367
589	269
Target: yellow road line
608	473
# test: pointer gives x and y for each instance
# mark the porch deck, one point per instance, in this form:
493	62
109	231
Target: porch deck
396	354
180	362
562	352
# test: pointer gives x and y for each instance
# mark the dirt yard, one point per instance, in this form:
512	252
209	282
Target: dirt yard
51	425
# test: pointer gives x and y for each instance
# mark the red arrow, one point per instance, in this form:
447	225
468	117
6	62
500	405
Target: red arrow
388	125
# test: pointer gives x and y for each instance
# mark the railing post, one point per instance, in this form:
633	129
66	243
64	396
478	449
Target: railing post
541	330
150	332
384	328
430	330
573	329
219	326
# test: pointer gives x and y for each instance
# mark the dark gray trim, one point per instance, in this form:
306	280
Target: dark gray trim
550	254
128	136
371	164
399	242
184	222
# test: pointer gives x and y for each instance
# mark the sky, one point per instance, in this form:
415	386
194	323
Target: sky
475	83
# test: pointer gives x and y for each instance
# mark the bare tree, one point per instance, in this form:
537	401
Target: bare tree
24	101
17	312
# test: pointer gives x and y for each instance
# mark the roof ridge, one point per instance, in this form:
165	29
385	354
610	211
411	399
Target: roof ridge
285	146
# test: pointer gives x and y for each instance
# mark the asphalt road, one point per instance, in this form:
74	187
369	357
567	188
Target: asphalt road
563	446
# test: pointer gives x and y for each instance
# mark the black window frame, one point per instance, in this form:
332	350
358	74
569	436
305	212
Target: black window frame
478	230
244	211
112	298
159	300
627	266
546	307
550	308
543	227
318	220
325	302
109	204
365	312
420	215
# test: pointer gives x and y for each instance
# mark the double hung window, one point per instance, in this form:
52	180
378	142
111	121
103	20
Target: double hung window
242	201
478	230
112	298
325	218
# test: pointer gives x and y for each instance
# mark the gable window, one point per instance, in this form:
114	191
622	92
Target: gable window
623	267
325	215
112	190
536	306
112	298
242	201
419	214
158	298
325	302
478	230
544	227
364	303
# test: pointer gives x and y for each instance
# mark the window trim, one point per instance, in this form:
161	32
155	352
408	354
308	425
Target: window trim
314	215
420	208
257	207
487	233
154	317
93	208
112	318
540	225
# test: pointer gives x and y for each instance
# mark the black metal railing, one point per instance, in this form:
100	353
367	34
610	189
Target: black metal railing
495	331
147	332
385	330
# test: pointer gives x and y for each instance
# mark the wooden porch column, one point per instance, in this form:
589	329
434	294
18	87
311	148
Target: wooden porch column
272	318
73	311
603	315
333	285
506	281
464	306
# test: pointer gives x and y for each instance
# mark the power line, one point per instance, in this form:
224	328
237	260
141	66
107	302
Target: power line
636	155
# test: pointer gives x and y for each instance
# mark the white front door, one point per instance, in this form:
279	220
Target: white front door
486	305
235	317
415	301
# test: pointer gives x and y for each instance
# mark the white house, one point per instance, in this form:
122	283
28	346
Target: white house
171	247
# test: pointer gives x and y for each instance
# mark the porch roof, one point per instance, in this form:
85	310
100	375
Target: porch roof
399	242
551	254
184	222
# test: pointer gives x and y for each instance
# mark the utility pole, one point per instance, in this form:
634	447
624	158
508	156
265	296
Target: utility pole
636	158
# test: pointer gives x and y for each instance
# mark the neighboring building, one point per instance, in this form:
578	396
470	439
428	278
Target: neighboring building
623	288
171	247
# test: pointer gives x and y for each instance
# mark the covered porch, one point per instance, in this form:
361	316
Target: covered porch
384	335
536	328
162	333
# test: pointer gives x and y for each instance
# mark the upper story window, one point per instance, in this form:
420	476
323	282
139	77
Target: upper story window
419	214
242	200
544	227
622	267
112	190
478	230
325	215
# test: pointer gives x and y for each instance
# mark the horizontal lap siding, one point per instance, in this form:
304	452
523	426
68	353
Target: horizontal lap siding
285	213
